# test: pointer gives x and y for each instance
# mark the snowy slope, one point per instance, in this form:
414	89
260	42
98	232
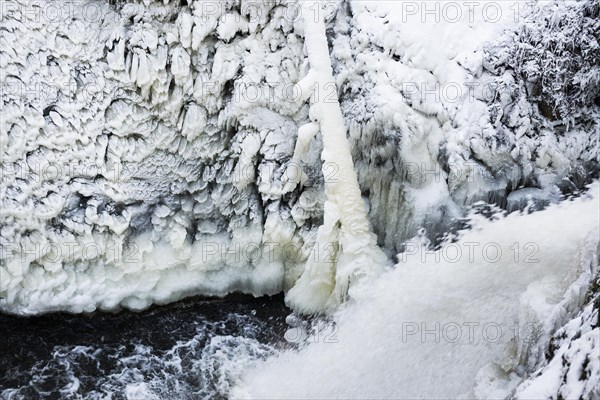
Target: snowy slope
145	144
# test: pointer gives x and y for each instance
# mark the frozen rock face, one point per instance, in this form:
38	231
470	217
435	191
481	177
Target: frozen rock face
142	149
447	108
573	369
144	143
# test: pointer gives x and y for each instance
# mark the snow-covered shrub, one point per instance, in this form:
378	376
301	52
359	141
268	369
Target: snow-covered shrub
556	53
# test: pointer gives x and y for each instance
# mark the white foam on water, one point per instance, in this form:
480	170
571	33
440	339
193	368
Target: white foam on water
463	321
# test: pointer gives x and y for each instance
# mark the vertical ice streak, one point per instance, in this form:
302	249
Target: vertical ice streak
346	248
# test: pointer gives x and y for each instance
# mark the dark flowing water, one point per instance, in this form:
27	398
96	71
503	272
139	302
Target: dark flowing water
189	350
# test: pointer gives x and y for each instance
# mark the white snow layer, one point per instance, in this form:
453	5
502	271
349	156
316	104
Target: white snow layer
466	321
145	146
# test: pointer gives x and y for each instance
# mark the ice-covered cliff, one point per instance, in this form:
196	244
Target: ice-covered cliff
145	144
135	164
450	105
571	367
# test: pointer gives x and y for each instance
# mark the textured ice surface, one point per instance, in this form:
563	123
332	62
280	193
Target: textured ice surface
127	155
145	144
441	102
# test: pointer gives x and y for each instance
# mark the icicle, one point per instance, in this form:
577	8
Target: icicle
294	174
346	249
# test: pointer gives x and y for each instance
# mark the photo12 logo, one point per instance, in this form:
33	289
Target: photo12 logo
65	11
460	11
51	253
43	171
469	332
49	92
472	252
319	332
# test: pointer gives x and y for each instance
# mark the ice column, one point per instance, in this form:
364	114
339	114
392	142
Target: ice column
346	250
